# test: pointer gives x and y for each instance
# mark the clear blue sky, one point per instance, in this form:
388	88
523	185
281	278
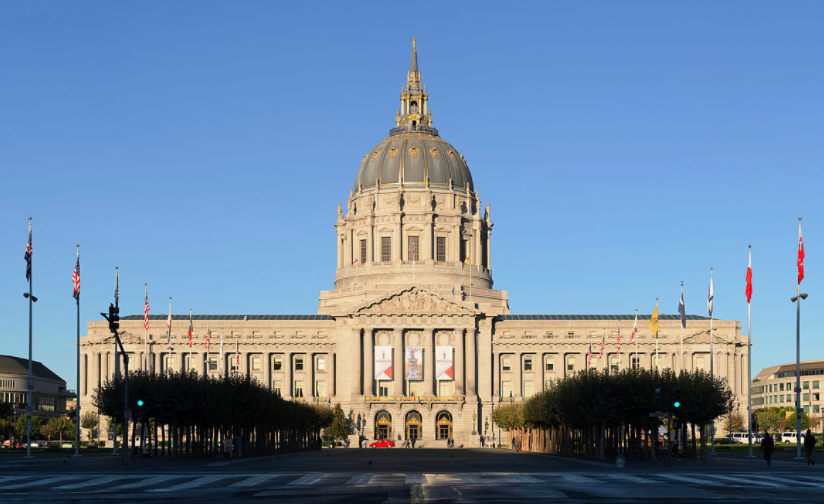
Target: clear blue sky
203	147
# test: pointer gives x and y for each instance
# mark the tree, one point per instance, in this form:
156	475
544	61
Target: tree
20	428
769	420
790	423
5	427
815	422
340	427
735	422
6	410
50	429
89	420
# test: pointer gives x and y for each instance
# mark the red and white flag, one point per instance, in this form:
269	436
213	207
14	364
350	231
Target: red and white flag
76	278
800	255
208	339
749	280
190	328
603	345
589	356
355	260
619	341
237	354
146	309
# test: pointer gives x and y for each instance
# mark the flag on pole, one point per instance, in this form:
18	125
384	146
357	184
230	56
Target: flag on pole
355	260
709	298
145	309
682	309
190	328
748	291
589	356
800	254
634	328
169	324
466	261
603	345
116	286
28	255
237	355
222	355
619	341
76	277
208	339
653	320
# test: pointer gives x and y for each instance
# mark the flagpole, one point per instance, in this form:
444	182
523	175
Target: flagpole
116	368
797	353
656	340
28	405
190	342
77	393
635	344
681	343
749	367
712	371
145	336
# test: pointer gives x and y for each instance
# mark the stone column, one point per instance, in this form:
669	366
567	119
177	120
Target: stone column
489	249
541	357
339	256
471	368
496	375
356	357
95	370
267	369
397	362
428	361
287	375
369	361
460	377
310	356
516	375
331	384
428	247
736	389
397	246
476	249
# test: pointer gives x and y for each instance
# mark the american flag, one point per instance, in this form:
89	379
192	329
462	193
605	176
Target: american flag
589	356
169	325
634	328
619	340
190	328
28	255
207	339
603	345
146	309
237	354
76	277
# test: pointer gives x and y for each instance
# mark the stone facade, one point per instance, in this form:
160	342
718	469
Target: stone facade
414	269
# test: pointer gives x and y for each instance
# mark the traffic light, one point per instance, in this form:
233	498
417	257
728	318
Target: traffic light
141	394
676	397
658	400
114	318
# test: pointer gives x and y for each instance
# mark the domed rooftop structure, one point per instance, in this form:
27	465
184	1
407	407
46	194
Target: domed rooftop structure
414	153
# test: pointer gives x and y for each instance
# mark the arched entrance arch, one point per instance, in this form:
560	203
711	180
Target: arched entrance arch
413	425
443	425
383	425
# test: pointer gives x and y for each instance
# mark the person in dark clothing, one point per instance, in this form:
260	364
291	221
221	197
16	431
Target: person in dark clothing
413	442
767	446
809	445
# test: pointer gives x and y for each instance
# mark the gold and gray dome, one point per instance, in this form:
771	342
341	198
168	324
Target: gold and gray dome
414	153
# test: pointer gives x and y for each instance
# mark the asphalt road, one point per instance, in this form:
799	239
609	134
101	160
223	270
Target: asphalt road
409	476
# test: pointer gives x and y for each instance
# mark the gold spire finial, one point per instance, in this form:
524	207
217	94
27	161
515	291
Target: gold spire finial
413	42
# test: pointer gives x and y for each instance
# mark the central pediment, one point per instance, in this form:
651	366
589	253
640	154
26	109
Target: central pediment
414	300
704	337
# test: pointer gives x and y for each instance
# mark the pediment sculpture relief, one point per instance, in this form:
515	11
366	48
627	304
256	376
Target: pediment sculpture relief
413	301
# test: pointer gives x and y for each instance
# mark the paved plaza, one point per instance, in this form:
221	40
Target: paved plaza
396	475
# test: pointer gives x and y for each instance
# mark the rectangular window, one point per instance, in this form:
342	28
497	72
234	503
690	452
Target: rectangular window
386	248
815	396
529	388
444	388
277	387
816	408
613	363
789	398
362	256
413	250
635	362
781	387
571	364
805	385
700	363
277	364
298	388
550	364
212	363
440	249
815	385
383	388
298	363
415	388
505	363
528	364
770	387
256	362
464	249
320	388
168	362
506	388
321	363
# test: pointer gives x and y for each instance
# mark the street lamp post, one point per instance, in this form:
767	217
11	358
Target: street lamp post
797	300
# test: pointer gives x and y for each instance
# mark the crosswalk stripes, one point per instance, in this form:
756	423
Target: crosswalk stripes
88	483
686	479
190	484
146	482
526	479
742	481
630	478
306	480
360	479
471	478
414	479
254	480
37	483
582	480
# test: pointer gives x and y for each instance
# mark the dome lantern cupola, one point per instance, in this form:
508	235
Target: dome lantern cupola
414	114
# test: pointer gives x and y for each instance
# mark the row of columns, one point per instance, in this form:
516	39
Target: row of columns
463	361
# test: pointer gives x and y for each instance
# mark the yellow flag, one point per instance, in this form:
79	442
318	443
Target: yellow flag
466	261
653	321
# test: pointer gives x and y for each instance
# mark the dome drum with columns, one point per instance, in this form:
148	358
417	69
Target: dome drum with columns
413	341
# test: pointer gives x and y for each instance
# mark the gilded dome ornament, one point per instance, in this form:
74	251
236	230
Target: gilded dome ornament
434	152
414	152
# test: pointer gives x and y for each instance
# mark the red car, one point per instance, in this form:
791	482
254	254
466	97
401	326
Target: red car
382	443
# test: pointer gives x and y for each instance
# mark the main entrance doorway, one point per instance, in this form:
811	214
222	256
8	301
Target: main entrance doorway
443	422
383	425
414	425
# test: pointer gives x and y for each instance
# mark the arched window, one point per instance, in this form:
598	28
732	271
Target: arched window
414	425
443	425
383	425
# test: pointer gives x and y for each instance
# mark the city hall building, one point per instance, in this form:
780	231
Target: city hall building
414	341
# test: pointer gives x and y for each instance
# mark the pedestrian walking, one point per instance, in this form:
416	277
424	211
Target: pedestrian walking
809	444
482	441
413	442
767	446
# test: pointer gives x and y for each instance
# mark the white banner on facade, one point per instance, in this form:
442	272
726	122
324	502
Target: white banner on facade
443	363
383	362
414	363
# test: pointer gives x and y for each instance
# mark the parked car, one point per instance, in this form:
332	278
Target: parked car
382	443
791	437
7	443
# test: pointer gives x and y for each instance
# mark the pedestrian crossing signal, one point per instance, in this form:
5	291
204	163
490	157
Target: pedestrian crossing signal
676	397
140	402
